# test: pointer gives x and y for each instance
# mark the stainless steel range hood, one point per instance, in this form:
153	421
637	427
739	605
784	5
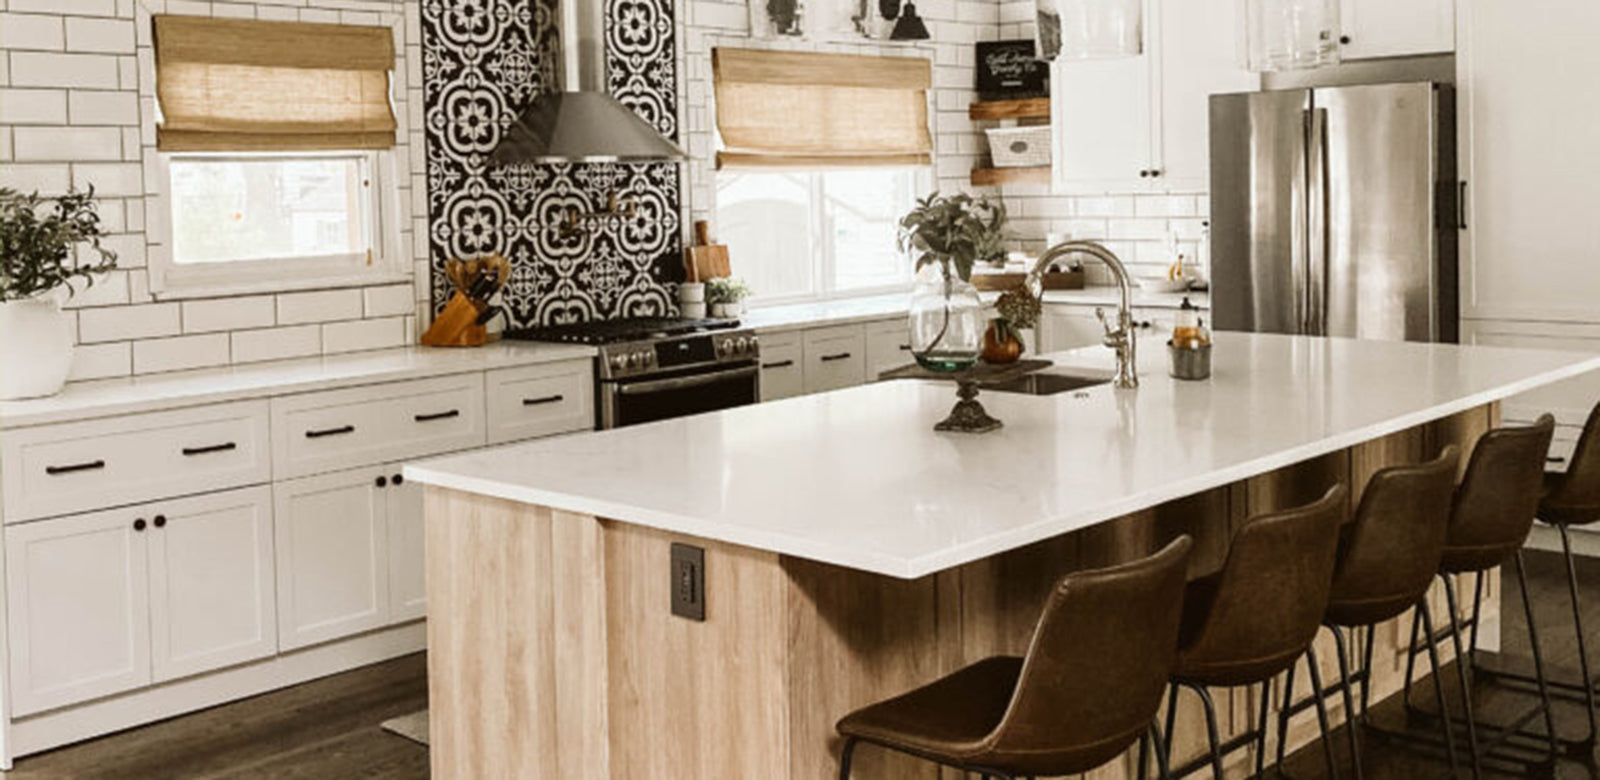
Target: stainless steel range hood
584	123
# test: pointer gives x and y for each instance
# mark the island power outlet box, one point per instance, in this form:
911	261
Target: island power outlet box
689	582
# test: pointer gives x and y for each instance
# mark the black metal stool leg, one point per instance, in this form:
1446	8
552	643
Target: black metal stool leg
1411	653
1144	755
1538	657
1463	660
844	758
1351	724
1426	619
1577	624
1366	673
1322	713
1212	735
1172	717
1163	769
1261	727
1283	715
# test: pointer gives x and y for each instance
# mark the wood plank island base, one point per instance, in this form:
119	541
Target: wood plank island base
555	653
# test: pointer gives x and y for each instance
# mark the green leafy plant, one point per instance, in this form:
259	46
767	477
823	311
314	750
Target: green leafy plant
37	236
1019	310
954	232
727	290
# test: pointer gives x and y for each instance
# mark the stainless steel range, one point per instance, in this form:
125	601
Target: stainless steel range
653	369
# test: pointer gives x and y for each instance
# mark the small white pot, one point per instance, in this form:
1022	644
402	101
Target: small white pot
692	311
692	292
724	310
36	344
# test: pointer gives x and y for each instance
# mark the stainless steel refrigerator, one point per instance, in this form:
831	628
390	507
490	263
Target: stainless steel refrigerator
1334	212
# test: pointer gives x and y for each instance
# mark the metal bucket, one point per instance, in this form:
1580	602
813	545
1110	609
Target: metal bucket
1190	362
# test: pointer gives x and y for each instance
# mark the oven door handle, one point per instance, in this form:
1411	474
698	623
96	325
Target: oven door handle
686	382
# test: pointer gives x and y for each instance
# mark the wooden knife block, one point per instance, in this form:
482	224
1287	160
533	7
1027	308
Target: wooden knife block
456	326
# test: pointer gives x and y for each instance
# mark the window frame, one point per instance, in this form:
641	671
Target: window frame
383	263
824	261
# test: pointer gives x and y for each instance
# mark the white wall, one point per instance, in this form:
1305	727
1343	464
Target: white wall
77	108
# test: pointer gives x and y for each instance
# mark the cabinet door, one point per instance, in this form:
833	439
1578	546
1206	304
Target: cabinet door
1528	250
1101	111
782	367
888	347
1398	28
211	594
408	587
78	609
1069	327
1196	51
332	550
835	358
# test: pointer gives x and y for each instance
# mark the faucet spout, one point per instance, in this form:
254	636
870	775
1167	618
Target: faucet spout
1119	338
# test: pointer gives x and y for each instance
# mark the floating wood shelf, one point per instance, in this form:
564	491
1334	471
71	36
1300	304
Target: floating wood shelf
994	177
1026	108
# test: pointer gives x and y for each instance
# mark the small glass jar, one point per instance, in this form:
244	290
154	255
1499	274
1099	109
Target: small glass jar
1283	35
947	321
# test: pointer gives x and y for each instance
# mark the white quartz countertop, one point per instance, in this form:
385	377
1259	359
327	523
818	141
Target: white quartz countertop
848	311
106	397
858	478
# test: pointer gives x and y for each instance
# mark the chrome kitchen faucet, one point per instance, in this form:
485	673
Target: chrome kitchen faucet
1121	338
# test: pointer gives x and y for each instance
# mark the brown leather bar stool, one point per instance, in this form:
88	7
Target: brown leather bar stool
1491	516
1573	498
1388	556
1255	618
1089	687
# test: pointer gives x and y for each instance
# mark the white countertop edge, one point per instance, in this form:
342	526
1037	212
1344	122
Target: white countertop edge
250	381
916	568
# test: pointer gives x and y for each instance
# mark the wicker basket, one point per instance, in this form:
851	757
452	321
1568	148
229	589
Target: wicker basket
1002	282
1020	147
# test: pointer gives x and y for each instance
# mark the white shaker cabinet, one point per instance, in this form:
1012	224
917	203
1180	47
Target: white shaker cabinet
1101	114
1195	43
834	357
408	591
211	582
782	366
1397	28
888	347
333	555
1527	108
78	609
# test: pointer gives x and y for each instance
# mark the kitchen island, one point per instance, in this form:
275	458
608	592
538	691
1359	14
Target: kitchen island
851	553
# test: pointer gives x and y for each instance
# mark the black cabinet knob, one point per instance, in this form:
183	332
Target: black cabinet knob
383	481
1344	39
398	479
138	525
1155	173
1144	174
161	521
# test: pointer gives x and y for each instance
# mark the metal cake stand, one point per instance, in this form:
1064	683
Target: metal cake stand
969	416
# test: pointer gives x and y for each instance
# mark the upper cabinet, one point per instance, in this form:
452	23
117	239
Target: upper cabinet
1398	28
1140	123
1527	115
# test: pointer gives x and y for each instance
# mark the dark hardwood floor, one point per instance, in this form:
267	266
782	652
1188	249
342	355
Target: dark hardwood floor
326	728
329	728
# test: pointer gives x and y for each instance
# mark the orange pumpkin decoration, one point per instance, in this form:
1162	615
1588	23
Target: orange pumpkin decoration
1000	344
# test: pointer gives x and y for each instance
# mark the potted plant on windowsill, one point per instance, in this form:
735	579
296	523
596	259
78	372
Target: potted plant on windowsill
37	267
947	236
726	297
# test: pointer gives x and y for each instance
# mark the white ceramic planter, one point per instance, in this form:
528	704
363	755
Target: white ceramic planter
692	292
36	346
725	310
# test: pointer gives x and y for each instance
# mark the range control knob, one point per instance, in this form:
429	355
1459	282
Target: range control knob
619	362
727	347
637	360
742	345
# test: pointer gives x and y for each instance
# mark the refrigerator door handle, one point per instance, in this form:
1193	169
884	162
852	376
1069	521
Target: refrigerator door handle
1299	263
1318	234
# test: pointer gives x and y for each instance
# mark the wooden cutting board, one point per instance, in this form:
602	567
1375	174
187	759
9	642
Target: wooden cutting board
706	260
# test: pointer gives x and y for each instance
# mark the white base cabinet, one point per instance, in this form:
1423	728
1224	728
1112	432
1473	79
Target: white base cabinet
333	556
782	367
835	357
408	587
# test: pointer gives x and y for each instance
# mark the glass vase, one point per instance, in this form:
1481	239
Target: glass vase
1090	29
1285	35
947	322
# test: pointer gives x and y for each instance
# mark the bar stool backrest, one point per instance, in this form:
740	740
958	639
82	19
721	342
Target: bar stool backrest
1392	548
1270	596
1496	502
1098	664
1575	495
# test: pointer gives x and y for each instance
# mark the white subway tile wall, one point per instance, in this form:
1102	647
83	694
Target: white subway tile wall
77	108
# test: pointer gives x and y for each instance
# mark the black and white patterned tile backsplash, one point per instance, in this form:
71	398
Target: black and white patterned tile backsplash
483	62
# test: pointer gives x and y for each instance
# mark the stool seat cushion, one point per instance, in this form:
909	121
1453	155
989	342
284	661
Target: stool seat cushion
948	719
1558	507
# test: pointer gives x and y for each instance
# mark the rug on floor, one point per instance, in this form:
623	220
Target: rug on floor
413	727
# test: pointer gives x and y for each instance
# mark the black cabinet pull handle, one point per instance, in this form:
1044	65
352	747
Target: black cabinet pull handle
905	347
161	521
831	358
193	451
549	399
398	479
383	481
90	466
438	416
1555	459
341	430
138	525
778	364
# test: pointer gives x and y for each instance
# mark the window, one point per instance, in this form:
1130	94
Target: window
808	234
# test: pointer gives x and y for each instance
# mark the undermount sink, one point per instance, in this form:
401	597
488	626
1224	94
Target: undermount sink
1049	384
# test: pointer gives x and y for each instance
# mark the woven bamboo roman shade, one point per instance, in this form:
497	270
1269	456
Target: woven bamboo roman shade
245	85
787	109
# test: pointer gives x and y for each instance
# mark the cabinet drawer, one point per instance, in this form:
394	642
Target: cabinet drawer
888	347
321	432
525	403
73	467
835	358
782	367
